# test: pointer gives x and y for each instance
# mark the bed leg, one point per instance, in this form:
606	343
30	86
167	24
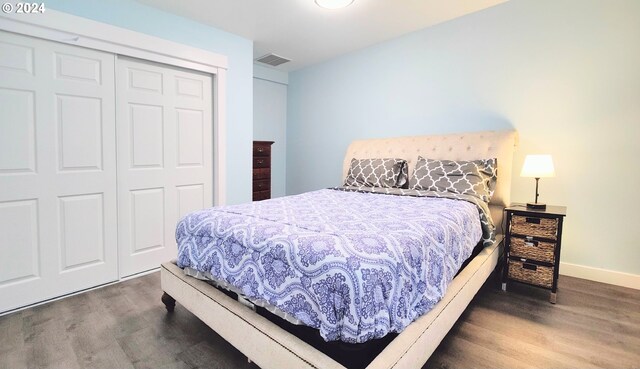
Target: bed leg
169	302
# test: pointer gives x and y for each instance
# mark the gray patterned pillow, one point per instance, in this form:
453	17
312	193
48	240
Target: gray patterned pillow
476	177
377	173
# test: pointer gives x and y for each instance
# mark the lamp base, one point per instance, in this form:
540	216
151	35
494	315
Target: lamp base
536	205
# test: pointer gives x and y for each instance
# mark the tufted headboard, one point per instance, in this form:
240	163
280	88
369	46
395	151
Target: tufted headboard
460	146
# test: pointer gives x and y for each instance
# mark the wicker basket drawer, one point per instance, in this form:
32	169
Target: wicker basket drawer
531	249
538	275
534	226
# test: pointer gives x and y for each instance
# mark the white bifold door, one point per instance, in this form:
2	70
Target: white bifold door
99	157
58	212
164	158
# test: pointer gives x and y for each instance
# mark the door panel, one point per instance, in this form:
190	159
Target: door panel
146	127
77	68
15	56
164	127
81	246
147	220
79	121
19	227
190	138
57	170
17	131
190	198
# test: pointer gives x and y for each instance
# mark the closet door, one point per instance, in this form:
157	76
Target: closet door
164	128
57	170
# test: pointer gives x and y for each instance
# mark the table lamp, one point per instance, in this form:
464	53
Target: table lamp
537	166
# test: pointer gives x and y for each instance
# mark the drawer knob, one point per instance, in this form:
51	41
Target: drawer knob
260	149
530	266
533	220
531	243
260	161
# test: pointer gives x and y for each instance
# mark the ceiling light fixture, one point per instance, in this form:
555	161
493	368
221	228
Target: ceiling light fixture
333	4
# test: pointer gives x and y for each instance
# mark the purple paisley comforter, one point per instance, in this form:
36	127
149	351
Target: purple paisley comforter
354	265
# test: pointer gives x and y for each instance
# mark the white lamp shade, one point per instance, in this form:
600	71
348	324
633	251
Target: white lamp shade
333	4
538	166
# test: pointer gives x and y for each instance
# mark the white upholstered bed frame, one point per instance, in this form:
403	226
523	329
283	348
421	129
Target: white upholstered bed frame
270	346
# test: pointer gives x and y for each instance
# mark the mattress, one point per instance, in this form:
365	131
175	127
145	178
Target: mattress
354	265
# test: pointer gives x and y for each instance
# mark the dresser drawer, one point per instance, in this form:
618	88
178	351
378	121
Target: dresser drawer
262	173
261	150
261	162
532	249
261	195
534	226
261	185
528	272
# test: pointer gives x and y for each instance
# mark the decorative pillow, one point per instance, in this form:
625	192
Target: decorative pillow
476	178
377	173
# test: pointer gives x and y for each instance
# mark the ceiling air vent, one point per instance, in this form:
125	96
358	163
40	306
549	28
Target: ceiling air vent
273	60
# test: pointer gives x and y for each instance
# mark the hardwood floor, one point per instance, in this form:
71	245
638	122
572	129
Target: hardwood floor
126	326
592	325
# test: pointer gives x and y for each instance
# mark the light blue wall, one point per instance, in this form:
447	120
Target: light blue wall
270	120
270	74
564	73
144	19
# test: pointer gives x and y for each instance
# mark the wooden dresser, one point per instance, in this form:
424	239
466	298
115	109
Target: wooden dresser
262	170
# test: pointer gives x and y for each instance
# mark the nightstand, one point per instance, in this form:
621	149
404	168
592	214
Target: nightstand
532	247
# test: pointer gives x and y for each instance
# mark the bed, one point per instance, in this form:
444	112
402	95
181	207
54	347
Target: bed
271	346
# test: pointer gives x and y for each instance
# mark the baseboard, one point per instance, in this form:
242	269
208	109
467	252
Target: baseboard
601	275
154	270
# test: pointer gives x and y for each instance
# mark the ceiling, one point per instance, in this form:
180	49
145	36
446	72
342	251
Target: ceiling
307	34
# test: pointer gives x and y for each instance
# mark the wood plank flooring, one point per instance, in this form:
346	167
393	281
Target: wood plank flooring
593	325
